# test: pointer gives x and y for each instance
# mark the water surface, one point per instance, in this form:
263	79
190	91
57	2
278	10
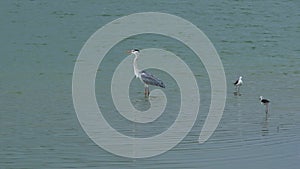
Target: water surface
40	41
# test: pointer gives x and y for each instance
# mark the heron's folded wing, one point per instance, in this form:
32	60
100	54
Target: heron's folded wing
149	79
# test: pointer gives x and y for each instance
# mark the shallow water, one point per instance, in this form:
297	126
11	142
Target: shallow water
40	43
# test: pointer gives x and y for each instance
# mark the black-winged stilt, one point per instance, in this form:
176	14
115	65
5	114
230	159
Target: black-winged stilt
265	102
237	84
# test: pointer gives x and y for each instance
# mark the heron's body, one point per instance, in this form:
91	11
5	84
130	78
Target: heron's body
145	77
149	79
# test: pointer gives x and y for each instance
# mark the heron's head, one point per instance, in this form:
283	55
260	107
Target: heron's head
240	77
134	51
260	97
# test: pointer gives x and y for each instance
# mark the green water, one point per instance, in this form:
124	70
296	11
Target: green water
40	42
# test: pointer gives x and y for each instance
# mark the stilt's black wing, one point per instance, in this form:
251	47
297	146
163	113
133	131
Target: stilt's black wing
265	101
236	82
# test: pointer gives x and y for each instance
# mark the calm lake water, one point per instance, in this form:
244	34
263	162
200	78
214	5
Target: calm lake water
40	42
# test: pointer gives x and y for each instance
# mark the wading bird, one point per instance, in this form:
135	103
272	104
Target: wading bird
145	77
265	102
238	83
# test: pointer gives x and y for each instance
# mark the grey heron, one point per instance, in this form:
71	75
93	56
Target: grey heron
145	77
265	102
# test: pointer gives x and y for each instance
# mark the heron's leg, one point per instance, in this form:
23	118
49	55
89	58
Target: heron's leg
148	92
267	107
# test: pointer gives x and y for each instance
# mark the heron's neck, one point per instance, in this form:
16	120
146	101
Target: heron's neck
135	68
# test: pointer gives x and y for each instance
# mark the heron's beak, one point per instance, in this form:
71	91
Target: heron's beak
129	51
